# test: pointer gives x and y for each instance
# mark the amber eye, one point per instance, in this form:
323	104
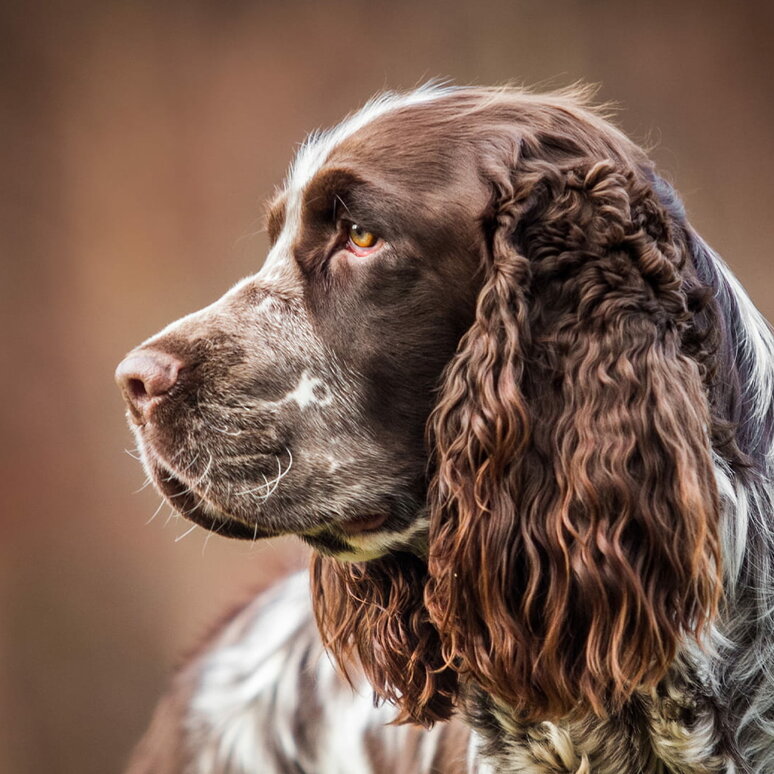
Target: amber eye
360	237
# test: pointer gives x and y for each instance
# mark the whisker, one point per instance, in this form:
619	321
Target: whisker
343	203
147	482
173	514
237	458
281	474
265	485
210	533
188	466
276	481
186	533
271	486
206	471
156	512
223	430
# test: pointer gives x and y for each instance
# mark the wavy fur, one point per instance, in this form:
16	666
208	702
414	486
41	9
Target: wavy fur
600	501
596	391
574	522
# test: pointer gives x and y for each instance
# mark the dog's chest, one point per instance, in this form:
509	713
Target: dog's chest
668	731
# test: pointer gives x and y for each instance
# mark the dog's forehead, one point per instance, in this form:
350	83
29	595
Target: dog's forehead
321	148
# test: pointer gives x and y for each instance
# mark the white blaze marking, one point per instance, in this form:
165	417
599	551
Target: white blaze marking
304	393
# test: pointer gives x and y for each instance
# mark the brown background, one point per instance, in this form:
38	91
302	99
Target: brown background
138	141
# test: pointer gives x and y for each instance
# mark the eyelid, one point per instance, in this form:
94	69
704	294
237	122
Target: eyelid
345	221
343	243
343	225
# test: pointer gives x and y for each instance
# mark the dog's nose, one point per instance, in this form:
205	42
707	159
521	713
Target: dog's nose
144	377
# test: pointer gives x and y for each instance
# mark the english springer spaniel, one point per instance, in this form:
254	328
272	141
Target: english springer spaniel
524	415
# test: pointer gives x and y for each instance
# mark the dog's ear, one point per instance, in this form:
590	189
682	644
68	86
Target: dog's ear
373	613
574	512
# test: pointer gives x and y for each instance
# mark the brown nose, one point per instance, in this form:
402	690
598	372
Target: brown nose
145	377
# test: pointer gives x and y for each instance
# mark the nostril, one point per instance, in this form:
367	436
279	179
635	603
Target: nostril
136	389
144	375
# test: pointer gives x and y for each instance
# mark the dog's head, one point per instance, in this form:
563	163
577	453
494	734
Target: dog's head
297	402
493	270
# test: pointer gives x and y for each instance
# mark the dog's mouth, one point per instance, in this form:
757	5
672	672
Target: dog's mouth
363	524
193	506
184	499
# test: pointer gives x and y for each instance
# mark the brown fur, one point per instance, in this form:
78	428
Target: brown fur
533	312
574	515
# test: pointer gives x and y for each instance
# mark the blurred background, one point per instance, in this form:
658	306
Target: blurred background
138	142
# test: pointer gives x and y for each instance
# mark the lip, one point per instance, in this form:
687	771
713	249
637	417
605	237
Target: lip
363	524
184	499
192	507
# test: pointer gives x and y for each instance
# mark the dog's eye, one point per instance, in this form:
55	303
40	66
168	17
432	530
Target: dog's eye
360	238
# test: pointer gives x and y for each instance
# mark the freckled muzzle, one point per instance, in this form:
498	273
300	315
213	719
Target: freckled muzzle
188	502
249	428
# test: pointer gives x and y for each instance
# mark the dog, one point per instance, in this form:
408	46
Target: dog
523	414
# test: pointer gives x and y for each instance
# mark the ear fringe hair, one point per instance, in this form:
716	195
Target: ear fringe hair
574	512
373	612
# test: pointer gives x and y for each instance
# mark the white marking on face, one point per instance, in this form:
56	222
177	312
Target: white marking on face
318	147
279	255
310	391
475	763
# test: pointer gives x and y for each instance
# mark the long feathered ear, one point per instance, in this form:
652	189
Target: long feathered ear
373	612
574	513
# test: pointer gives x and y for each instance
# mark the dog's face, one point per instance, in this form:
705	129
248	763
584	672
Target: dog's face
297	402
500	268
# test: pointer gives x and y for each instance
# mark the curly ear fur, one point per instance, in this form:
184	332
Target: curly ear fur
372	611
574	513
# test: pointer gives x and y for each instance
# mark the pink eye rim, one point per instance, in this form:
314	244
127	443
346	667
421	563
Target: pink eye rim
360	241
361	251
